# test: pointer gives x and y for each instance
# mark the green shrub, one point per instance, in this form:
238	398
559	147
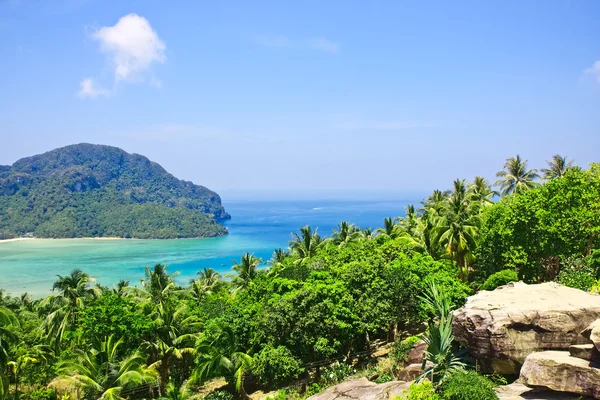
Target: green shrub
314	389
219	395
421	391
579	273
276	366
337	372
42	394
500	278
467	385
402	348
384	377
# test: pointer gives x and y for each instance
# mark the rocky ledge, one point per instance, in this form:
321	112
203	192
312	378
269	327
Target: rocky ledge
502	327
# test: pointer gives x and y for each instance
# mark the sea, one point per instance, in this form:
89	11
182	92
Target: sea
257	227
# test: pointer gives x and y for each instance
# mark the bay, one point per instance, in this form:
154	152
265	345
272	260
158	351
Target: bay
256	227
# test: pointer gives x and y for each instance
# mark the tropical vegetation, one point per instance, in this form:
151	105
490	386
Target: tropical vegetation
315	312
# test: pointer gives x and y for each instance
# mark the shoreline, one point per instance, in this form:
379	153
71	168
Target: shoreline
86	238
104	239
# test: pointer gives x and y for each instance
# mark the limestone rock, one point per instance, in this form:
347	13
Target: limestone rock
518	391
502	327
362	389
558	371
592	333
585	352
415	356
412	371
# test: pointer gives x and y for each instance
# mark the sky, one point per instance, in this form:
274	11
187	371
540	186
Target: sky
319	98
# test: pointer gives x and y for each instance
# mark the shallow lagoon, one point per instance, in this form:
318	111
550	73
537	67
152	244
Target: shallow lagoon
257	227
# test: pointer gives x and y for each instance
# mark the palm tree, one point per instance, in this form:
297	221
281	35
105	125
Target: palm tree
556	167
390	228
74	290
344	234
121	288
246	270
516	177
27	356
158	284
458	227
100	372
8	320
175	332
276	261
408	223
305	245
208	281
481	193
222	358
367	233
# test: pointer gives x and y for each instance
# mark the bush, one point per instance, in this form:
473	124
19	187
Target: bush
579	273
402	348
468	385
500	278
337	372
42	394
276	366
219	395
421	391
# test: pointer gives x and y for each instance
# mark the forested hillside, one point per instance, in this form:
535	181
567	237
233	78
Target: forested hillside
88	190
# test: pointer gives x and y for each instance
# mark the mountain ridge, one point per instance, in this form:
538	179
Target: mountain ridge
90	190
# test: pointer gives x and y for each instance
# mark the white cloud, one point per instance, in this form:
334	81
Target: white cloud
594	71
317	43
323	44
132	46
89	89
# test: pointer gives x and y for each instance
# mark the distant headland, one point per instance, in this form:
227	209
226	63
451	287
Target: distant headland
96	191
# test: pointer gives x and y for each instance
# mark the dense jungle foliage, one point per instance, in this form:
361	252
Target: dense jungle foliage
90	190
298	324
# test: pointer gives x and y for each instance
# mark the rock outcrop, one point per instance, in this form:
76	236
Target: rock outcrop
502	327
518	391
559	371
362	389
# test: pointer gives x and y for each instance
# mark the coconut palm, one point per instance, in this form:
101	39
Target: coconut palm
390	228
481	193
99	372
458	226
344	234
176	331
8	321
221	357
74	290
208	281
305	245
408	223
25	358
367	233
121	288
246	270
158	283
516	177
556	167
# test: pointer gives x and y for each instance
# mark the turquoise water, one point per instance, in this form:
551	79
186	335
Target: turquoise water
257	227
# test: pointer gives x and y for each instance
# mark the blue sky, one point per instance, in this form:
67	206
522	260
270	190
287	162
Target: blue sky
317	97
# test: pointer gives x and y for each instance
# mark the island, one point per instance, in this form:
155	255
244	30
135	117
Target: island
89	190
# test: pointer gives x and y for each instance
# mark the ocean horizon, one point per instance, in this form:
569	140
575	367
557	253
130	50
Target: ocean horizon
257	226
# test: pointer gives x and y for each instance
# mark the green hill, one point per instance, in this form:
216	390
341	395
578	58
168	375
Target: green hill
88	190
